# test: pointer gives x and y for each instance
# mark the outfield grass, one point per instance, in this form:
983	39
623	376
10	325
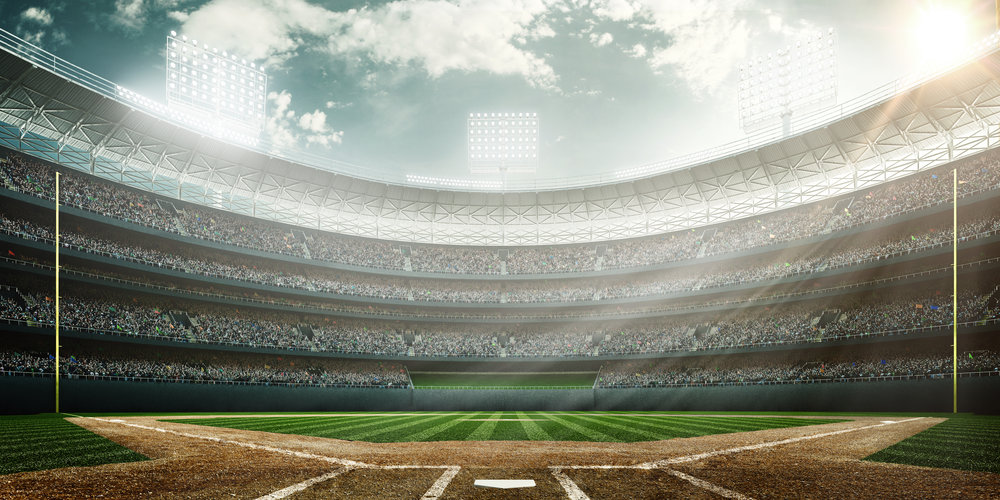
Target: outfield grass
966	442
503	426
48	441
484	380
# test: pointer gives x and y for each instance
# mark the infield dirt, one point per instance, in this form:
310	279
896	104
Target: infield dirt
192	461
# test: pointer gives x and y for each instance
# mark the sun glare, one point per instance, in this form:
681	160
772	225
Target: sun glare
940	34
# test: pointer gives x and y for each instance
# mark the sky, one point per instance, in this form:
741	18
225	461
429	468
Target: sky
387	86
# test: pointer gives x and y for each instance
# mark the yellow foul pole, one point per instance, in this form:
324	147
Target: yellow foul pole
954	295
57	292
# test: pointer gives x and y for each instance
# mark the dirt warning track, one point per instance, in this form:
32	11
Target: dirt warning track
192	461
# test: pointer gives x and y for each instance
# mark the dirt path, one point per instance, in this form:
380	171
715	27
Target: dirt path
192	461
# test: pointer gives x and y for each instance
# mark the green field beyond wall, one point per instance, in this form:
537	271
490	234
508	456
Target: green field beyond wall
560	380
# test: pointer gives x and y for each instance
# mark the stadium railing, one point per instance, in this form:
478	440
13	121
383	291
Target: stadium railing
879	378
179	380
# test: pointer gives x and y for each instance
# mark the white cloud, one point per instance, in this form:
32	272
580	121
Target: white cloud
637	51
133	16
602	39
285	129
35	27
615	10
129	14
338	104
440	37
435	35
38	16
260	30
707	39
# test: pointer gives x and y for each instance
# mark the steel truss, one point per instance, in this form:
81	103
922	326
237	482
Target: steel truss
47	116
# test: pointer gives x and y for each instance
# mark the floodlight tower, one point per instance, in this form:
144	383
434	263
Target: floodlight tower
503	143
214	90
797	78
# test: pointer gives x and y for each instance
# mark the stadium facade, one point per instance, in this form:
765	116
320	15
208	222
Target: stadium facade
770	264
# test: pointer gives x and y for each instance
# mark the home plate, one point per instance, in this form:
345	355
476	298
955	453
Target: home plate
505	484
888	421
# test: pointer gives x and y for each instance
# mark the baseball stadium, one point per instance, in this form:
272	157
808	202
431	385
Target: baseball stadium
513	251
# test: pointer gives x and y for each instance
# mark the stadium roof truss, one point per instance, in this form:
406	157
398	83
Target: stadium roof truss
82	127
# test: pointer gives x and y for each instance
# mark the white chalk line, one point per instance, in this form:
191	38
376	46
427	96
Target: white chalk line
771	444
714	488
438	487
295	488
572	490
569	485
700	456
300	454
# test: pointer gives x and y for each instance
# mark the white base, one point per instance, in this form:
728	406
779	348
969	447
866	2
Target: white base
505	484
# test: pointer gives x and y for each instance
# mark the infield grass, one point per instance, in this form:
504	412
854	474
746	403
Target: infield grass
966	442
504	426
48	441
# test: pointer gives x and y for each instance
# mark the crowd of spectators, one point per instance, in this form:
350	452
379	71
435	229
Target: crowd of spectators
924	189
680	372
198	367
653	284
861	315
133	364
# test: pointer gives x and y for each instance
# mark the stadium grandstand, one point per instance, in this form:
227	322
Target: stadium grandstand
850	266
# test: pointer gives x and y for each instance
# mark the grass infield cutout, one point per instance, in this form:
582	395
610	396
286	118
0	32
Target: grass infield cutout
964	442
48	441
504	426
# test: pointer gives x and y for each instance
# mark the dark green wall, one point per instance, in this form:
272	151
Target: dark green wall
31	395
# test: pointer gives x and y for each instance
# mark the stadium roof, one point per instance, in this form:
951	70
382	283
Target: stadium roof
56	111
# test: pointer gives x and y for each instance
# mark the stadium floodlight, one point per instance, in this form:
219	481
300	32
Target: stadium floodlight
797	78
454	183
226	93
503	143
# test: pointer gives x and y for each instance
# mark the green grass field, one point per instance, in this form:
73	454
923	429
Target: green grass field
966	442
504	426
430	380
38	442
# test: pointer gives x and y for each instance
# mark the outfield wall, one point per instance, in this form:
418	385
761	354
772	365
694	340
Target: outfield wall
32	395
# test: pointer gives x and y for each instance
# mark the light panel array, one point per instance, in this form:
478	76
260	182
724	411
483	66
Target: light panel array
216	85
503	142
800	77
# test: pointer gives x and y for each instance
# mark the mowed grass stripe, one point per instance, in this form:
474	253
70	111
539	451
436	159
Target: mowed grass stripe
251	424
689	427
674	427
385	434
626	433
341	431
531	428
508	431
967	442
442	428
550	426
484	430
702	426
592	434
39	442
307	425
